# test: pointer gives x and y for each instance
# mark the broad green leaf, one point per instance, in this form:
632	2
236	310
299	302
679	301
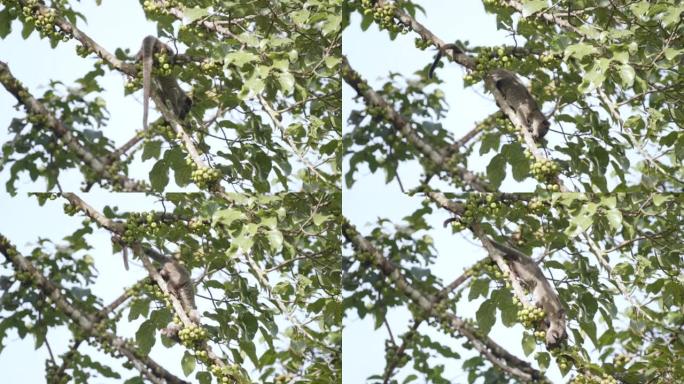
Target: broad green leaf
192	14
504	301
275	240
639	8
589	304
595	77
188	363
332	24
659	199
145	336
139	307
240	58
529	343
532	6
580	50
300	17
251	87
621	56
244	241
159	175
319	219
627	75
227	216
589	328
479	287
614	217
151	149
5	23
182	171
486	316
496	170
203	377
286	81
543	359
608	338
247	347
671	53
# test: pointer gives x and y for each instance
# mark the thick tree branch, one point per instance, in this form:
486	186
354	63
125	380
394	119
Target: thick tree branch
143	252
62	132
403	126
493	352
148	367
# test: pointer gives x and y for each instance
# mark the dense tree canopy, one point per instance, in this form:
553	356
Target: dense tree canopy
261	151
607	75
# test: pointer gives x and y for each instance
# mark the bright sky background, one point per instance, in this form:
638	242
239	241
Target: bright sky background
374	55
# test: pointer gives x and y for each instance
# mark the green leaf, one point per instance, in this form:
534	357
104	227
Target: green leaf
614	217
496	170
589	304
27	30
671	53
268	358
627	75
331	62
332	24
486	316
490	142
581	223
151	149
532	6
504	301
244	240
227	216
639	9
621	56
188	363
182	171
589	327
203	377
287	82
247	347
300	17
580	50
595	77
319	219
250	324
275	240
608	338
529	343
520	165
543	359
240	58
479	287
145	336
672	15
159	176
659	199
139	307
5	23
192	14
253	86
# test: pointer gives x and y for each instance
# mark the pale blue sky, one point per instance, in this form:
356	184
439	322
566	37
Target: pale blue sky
374	55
